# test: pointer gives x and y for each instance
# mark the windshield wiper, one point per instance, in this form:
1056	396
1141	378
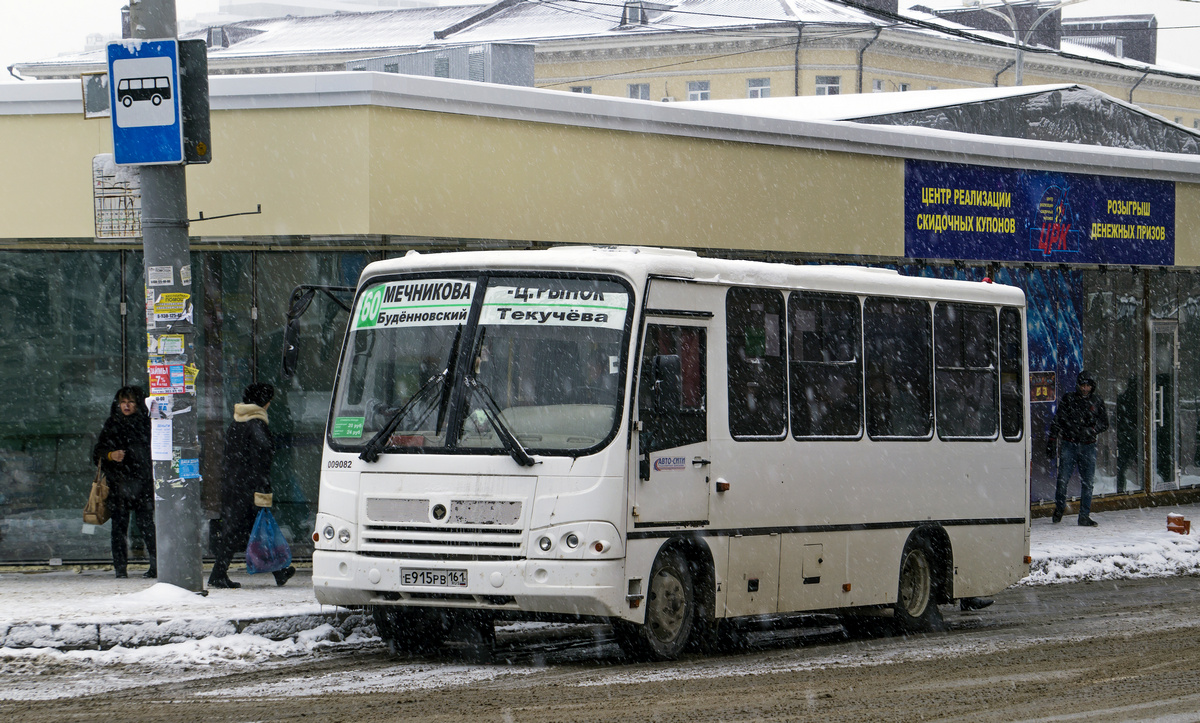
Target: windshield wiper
375	445
492	410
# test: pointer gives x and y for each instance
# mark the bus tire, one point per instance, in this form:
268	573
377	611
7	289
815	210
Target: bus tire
916	609
409	630
670	612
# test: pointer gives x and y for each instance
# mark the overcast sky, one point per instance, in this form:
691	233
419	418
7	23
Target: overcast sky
38	29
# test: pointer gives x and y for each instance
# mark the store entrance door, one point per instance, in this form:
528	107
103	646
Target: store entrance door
1164	400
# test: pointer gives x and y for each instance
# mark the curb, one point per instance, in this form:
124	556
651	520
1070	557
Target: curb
143	633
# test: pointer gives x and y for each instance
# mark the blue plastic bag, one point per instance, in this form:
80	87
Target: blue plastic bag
267	551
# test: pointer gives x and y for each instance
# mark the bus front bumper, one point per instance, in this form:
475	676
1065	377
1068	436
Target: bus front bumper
593	587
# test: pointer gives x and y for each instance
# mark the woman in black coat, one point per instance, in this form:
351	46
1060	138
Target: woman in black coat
249	449
123	449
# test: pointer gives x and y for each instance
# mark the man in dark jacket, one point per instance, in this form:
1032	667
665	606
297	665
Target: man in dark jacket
123	450
249	449
1080	417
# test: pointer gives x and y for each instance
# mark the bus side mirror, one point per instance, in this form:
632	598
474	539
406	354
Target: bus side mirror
667	390
291	332
291	348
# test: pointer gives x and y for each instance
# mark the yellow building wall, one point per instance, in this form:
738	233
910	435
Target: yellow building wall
1187	224
667	73
359	171
308	167
454	176
46	175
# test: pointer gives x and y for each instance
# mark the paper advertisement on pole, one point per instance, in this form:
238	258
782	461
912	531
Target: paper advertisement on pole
160	440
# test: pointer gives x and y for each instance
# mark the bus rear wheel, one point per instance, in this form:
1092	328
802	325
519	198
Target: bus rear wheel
916	602
670	612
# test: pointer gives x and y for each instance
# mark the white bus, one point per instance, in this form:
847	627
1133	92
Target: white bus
668	442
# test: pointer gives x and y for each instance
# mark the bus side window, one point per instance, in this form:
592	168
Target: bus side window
691	424
757	381
1012	387
825	346
897	336
966	376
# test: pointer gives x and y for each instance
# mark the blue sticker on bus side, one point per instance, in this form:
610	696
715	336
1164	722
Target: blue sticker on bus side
667	464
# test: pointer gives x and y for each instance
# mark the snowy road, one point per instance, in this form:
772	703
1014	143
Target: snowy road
1095	651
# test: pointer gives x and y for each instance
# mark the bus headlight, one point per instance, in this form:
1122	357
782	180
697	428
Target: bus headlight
328	532
344	536
579	540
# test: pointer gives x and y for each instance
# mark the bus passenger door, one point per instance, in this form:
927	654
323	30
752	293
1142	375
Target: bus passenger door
671	447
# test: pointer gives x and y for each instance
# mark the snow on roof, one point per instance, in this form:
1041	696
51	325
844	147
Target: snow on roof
411	27
864	105
546	20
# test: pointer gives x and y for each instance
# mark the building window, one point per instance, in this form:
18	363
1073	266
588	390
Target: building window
829	84
475	65
904	87
755	363
758	88
635	14
441	67
639	91
391	68
581	89
876	86
1179	119
697	90
1196	123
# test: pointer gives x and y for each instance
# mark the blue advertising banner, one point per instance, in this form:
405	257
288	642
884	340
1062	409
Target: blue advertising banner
978	213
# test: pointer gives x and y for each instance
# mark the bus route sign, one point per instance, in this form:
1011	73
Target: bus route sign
144	96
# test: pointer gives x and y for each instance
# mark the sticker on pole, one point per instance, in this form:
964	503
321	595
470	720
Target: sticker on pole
144	96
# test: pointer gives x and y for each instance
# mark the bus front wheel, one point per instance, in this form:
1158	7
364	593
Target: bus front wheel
410	630
916	604
670	612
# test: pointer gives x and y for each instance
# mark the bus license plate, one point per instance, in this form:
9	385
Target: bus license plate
433	578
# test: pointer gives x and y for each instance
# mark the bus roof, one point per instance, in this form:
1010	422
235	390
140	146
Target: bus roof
637	263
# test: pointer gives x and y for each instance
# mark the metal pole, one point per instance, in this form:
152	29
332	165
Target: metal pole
165	240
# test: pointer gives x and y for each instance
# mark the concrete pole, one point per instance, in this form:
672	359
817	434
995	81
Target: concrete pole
177	494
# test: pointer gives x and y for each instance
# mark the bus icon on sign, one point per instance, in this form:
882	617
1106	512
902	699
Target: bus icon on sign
155	90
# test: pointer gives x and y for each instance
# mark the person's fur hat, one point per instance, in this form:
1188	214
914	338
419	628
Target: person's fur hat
258	393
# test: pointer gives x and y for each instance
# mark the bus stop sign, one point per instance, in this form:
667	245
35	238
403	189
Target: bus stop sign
144	96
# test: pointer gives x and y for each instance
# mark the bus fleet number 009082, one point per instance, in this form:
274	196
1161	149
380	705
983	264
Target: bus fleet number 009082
435	578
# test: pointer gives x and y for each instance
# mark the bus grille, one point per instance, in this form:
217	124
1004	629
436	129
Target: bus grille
460	512
459	529
442	542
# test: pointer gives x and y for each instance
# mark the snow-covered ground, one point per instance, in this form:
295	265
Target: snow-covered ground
86	620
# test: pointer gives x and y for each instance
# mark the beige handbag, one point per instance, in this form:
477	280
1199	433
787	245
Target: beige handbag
95	512
263	499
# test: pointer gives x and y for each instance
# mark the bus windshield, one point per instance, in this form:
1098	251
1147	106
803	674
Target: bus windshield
488	364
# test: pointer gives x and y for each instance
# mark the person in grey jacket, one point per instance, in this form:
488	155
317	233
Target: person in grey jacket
249	449
1079	419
